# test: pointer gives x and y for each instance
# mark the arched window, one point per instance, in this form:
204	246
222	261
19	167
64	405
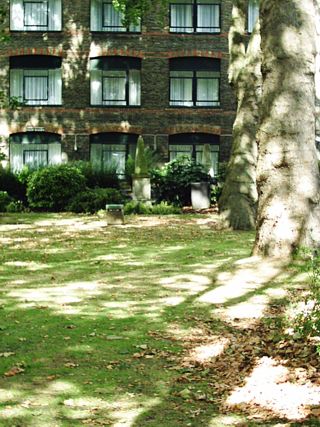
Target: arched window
35	15
194	82
34	150
191	145
115	81
36	79
111	150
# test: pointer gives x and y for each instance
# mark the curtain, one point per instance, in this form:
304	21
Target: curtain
208	20
214	158
96	156
181	18
16	15
16	84
55	87
96	87
207	89
16	157
253	14
55	15
114	88
112	18
181	88
35	16
134	87
36	87
54	153
96	15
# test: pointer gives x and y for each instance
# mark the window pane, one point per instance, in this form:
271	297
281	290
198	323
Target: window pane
114	156
134	87
111	18
35	158
181	18
35	87
114	88
207	92
36	14
180	151
253	14
181	91
208	19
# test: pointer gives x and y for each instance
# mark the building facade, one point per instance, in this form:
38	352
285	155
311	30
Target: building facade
89	86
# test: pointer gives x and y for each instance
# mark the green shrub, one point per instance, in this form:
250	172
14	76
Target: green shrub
106	178
15	206
5	200
163	208
92	200
172	183
52	188
138	208
11	183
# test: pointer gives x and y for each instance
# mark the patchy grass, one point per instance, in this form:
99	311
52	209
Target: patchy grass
161	322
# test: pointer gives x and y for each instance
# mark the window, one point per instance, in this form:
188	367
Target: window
194	82
104	17
36	79
191	145
111	150
35	15
34	149
115	81
200	16
253	14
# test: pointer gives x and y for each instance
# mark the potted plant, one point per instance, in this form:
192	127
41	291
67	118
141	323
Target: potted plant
141	184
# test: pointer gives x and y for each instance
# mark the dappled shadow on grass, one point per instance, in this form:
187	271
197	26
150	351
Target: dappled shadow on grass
133	327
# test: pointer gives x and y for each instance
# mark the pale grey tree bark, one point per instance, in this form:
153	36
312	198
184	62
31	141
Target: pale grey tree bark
287	171
238	200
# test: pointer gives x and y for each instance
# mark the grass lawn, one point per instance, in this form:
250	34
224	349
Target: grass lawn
162	322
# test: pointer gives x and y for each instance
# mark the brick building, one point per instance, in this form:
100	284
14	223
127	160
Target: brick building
91	86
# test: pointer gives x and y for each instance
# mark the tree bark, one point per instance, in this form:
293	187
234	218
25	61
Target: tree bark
287	171
239	196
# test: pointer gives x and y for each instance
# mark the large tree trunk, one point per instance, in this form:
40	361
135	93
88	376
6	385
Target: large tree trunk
287	171
239	196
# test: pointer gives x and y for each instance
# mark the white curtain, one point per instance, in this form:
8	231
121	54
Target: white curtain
134	87
114	156
43	15
214	158
16	84
95	15
96	87
207	89
112	18
54	152
16	15
181	18
35	158
253	14
114	88
96	156
181	88
16	157
55	15
208	20
55	87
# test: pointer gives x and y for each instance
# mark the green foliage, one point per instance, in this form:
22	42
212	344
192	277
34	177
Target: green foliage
15	206
139	208
51	188
172	183
133	10
141	166
106	178
308	321
92	200
12	184
5	200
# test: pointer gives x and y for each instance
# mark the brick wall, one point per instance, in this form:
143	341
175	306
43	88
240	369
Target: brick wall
75	120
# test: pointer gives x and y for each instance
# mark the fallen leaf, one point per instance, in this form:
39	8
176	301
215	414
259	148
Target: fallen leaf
15	370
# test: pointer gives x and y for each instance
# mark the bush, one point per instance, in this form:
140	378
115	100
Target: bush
92	200
5	200
106	178
139	208
15	206
172	183
11	183
52	188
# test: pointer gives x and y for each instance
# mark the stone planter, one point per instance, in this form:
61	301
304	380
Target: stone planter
200	195
141	188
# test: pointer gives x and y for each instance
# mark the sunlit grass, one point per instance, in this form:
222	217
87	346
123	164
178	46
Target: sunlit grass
118	325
